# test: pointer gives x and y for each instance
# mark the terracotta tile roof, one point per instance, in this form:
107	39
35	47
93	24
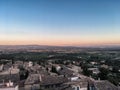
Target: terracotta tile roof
49	80
105	85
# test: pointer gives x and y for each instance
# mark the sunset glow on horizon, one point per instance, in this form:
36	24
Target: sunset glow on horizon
60	23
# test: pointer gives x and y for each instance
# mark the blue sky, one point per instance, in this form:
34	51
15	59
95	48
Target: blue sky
50	21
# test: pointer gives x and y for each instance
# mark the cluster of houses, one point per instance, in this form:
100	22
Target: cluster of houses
94	67
48	77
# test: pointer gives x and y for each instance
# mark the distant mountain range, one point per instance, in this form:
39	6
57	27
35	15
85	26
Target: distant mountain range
54	47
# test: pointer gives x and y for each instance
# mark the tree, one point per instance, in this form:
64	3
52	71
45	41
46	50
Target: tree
54	69
103	73
87	72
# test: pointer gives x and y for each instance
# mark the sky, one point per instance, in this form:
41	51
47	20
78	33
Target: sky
60	22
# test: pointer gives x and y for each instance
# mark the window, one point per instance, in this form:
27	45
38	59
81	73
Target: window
78	88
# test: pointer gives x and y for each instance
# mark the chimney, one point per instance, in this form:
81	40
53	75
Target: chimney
40	77
3	82
99	79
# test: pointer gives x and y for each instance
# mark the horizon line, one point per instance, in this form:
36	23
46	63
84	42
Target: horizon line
98	45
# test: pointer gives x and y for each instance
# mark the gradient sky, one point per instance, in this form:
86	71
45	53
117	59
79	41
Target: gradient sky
60	22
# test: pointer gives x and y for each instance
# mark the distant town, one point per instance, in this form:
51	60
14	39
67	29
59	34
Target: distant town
34	67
